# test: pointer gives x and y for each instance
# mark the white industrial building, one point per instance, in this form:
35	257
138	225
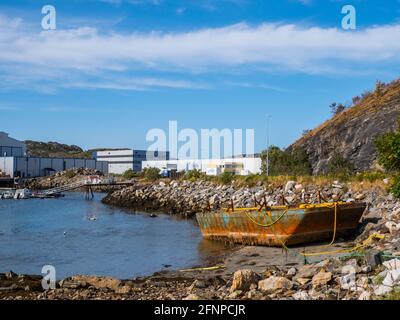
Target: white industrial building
10	147
30	167
15	163
120	161
239	166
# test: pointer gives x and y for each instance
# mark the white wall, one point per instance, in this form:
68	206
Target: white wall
7	165
119	168
10	146
35	166
252	165
112	153
118	161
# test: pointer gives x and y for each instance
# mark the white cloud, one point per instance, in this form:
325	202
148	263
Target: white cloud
87	51
137	84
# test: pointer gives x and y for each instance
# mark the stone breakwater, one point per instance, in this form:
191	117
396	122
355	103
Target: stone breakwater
187	198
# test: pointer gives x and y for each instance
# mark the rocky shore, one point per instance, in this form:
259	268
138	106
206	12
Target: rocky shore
67	177
250	273
246	275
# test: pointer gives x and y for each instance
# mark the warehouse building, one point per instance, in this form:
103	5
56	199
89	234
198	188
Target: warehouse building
212	167
30	167
119	161
10	147
15	163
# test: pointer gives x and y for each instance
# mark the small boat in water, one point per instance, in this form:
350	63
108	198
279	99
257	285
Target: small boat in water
282	225
7	194
22	193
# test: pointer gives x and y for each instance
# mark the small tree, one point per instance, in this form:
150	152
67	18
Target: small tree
379	88
193	175
356	100
151	174
337	108
129	174
286	162
226	177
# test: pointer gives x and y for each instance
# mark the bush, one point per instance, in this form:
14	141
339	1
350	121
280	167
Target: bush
226	177
337	108
370	176
340	166
286	162
129	174
193	175
395	188
388	147
70	173
151	174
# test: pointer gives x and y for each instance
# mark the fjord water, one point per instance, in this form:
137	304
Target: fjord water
62	232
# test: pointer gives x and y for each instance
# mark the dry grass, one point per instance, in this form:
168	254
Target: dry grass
371	103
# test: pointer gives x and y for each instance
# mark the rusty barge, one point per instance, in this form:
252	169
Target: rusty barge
282	225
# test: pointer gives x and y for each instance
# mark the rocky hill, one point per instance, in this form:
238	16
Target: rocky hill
352	132
55	149
59	150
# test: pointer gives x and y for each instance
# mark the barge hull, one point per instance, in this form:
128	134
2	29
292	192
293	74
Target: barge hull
297	226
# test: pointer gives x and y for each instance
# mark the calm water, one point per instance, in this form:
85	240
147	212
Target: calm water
58	232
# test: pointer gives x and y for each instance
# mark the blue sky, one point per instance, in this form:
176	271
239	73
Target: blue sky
115	69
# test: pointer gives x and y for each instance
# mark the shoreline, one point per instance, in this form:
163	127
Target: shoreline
249	273
246	273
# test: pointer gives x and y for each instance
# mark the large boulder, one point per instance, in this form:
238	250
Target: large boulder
274	284
321	279
243	279
99	282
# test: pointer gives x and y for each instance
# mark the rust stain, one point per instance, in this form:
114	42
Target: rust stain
296	227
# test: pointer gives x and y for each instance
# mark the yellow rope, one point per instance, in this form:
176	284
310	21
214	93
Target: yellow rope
204	269
333	238
268	224
355	248
334	205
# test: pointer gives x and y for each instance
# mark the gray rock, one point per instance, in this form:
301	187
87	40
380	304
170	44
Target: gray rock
243	279
275	283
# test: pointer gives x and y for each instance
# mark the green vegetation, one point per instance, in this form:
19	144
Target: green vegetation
226	177
151	174
395	188
54	149
59	150
193	175
337	108
370	176
392	296
70	174
340	166
286	162
129	174
388	147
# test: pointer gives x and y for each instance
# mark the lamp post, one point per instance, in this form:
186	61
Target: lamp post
4	166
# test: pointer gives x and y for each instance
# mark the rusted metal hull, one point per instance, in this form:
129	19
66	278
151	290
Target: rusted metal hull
297	226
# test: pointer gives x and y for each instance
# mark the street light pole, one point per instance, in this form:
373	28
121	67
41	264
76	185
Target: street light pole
4	167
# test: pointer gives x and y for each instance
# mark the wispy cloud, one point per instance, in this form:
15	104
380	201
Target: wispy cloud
73	55
137	84
253	85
